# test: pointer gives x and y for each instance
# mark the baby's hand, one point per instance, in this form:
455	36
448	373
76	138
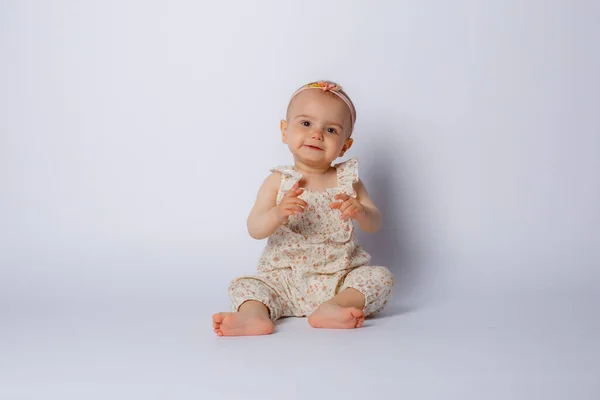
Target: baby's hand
349	206
290	204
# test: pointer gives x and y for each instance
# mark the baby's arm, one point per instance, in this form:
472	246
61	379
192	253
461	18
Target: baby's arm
370	219
266	216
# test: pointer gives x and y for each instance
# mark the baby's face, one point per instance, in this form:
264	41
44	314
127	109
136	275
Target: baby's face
317	128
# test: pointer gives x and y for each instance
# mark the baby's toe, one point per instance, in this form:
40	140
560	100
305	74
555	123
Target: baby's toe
218	318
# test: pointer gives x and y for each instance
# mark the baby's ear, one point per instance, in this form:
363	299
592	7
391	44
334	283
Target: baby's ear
283	128
346	146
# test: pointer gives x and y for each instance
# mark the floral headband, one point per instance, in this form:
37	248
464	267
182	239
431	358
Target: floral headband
327	86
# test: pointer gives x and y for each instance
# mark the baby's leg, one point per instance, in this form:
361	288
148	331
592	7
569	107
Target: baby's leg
344	311
256	306
375	283
365	291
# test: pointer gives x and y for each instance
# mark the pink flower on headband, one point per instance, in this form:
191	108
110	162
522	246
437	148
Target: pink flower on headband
325	86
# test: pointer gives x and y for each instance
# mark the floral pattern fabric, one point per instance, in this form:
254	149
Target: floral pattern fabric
313	256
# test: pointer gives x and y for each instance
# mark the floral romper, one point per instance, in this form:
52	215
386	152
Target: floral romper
313	256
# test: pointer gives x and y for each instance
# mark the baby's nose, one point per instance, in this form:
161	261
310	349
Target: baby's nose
317	134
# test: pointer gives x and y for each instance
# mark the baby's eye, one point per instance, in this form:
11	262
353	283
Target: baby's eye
305	123
331	130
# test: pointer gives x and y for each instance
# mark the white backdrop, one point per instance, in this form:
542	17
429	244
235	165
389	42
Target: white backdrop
134	136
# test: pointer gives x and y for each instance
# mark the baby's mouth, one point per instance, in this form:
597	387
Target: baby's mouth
313	147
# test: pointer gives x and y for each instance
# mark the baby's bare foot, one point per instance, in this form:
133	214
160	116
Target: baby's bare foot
334	316
241	324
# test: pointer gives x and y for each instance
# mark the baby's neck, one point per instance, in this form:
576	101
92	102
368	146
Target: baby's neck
305	169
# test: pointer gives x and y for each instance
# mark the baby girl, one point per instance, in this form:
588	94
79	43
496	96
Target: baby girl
312	264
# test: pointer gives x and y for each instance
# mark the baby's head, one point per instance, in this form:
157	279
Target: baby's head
319	122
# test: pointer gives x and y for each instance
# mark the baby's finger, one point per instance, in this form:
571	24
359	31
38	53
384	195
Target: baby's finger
342	196
336	204
295	200
289	212
343	215
345	205
293	207
297	193
300	201
348	211
285	214
354	212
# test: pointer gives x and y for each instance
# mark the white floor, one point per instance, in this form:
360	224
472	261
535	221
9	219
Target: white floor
470	349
